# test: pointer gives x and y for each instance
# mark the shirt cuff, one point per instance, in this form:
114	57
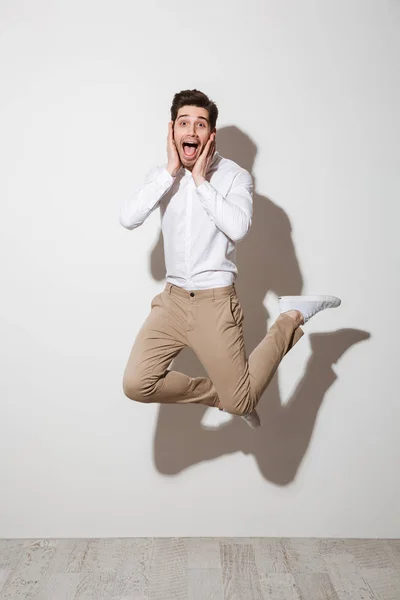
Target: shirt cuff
165	177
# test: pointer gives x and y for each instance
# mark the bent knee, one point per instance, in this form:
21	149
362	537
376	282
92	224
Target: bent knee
240	406
239	411
136	388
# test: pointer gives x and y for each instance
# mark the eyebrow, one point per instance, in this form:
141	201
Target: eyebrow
180	116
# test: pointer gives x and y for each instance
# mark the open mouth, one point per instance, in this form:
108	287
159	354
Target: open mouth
190	149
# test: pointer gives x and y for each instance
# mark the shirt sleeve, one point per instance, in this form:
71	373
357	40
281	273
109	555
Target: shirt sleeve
232	213
146	198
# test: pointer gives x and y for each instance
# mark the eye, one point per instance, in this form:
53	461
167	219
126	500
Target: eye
202	124
182	122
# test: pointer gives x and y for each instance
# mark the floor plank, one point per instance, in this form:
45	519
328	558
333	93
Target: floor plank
10	552
393	547
384	582
27	578
239	572
331	546
168	570
317	586
347	579
303	555
4	573
279	586
368	553
205	584
203	553
60	586
270	555
133	575
103	554
69	556
97	585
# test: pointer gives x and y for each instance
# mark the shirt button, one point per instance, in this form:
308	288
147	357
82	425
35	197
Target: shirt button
191	293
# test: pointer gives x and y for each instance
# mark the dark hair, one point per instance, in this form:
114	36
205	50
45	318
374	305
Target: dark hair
194	98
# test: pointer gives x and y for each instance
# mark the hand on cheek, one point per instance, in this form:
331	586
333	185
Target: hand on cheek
203	162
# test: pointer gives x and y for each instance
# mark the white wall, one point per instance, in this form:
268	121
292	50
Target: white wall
308	94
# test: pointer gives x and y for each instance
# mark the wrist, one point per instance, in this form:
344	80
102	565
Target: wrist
199	179
172	170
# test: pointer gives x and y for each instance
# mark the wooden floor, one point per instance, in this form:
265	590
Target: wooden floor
200	569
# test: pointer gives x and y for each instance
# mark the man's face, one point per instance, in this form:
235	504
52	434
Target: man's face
192	125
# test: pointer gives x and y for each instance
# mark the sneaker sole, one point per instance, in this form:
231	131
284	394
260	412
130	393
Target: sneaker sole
333	300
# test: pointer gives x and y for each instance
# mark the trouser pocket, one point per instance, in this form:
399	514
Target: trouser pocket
156	300
235	309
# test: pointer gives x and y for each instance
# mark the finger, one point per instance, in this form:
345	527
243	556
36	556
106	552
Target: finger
207	147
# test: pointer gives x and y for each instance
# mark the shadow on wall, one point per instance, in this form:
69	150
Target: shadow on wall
266	261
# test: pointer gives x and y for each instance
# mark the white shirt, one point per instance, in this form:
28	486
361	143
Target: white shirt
201	225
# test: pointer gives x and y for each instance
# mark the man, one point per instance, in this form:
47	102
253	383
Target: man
206	209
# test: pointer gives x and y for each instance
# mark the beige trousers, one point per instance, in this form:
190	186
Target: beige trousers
210	322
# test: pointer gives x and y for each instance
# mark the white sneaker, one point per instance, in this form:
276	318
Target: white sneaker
252	419
307	305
